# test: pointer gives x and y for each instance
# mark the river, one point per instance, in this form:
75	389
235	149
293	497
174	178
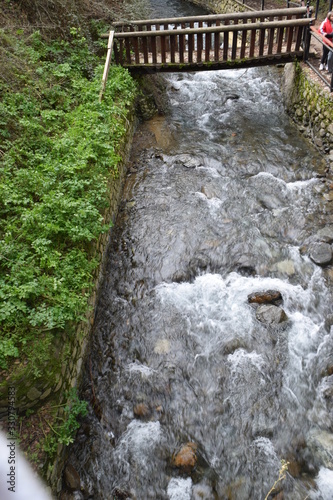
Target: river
224	198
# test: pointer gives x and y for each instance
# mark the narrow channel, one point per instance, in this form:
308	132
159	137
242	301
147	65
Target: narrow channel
197	394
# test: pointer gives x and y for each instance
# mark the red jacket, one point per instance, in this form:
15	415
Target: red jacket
326	27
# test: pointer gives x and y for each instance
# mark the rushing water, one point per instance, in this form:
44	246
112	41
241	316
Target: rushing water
225	203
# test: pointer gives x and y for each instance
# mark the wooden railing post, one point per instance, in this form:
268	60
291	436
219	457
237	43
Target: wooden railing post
107	65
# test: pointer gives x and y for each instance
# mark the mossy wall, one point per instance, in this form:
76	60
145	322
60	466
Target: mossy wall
310	106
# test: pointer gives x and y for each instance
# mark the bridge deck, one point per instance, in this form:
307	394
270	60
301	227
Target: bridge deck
240	39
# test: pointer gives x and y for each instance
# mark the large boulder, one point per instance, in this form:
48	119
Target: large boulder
270	314
264	297
321	253
186	457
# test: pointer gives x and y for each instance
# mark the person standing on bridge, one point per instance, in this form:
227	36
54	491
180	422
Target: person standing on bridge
326	29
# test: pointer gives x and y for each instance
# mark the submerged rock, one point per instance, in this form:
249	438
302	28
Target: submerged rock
72	478
321	253
188	161
270	314
320	443
141	410
325	234
265	297
186	457
209	192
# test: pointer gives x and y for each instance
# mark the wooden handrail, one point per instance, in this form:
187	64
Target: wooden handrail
216	29
107	65
211	17
321	37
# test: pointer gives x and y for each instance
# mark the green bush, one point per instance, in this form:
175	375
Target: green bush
58	151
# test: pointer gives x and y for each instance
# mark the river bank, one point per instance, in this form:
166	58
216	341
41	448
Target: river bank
214	209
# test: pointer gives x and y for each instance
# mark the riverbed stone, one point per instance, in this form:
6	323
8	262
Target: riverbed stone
321	253
141	410
189	161
286	266
72	478
320	443
270	314
264	297
186	457
209	192
325	234
329	196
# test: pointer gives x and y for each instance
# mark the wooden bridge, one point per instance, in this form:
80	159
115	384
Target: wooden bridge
210	42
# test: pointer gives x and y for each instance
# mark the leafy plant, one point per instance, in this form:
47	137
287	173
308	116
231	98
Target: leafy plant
64	428
58	154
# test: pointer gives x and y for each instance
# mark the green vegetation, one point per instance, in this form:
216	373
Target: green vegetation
58	152
63	428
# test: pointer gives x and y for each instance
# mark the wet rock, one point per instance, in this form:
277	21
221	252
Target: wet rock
202	491
329	322
321	253
265	297
320	443
234	344
294	468
278	496
186	457
209	192
270	314
325	234
233	97
141	410
286	267
188	161
246	266
328	196
72	478
118	494
162	346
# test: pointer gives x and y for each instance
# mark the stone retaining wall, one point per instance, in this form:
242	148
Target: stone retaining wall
222	6
310	106
71	370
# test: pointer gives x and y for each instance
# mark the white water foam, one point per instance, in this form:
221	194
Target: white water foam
139	442
180	489
137	367
324	482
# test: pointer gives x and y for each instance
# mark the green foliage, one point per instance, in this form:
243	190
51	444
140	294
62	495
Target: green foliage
58	151
63	431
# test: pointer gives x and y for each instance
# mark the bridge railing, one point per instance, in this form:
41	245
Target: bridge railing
210	39
209	20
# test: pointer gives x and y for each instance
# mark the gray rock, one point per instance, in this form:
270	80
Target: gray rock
188	161
321	253
325	234
72	478
33	393
320	443
270	314
209	192
264	297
